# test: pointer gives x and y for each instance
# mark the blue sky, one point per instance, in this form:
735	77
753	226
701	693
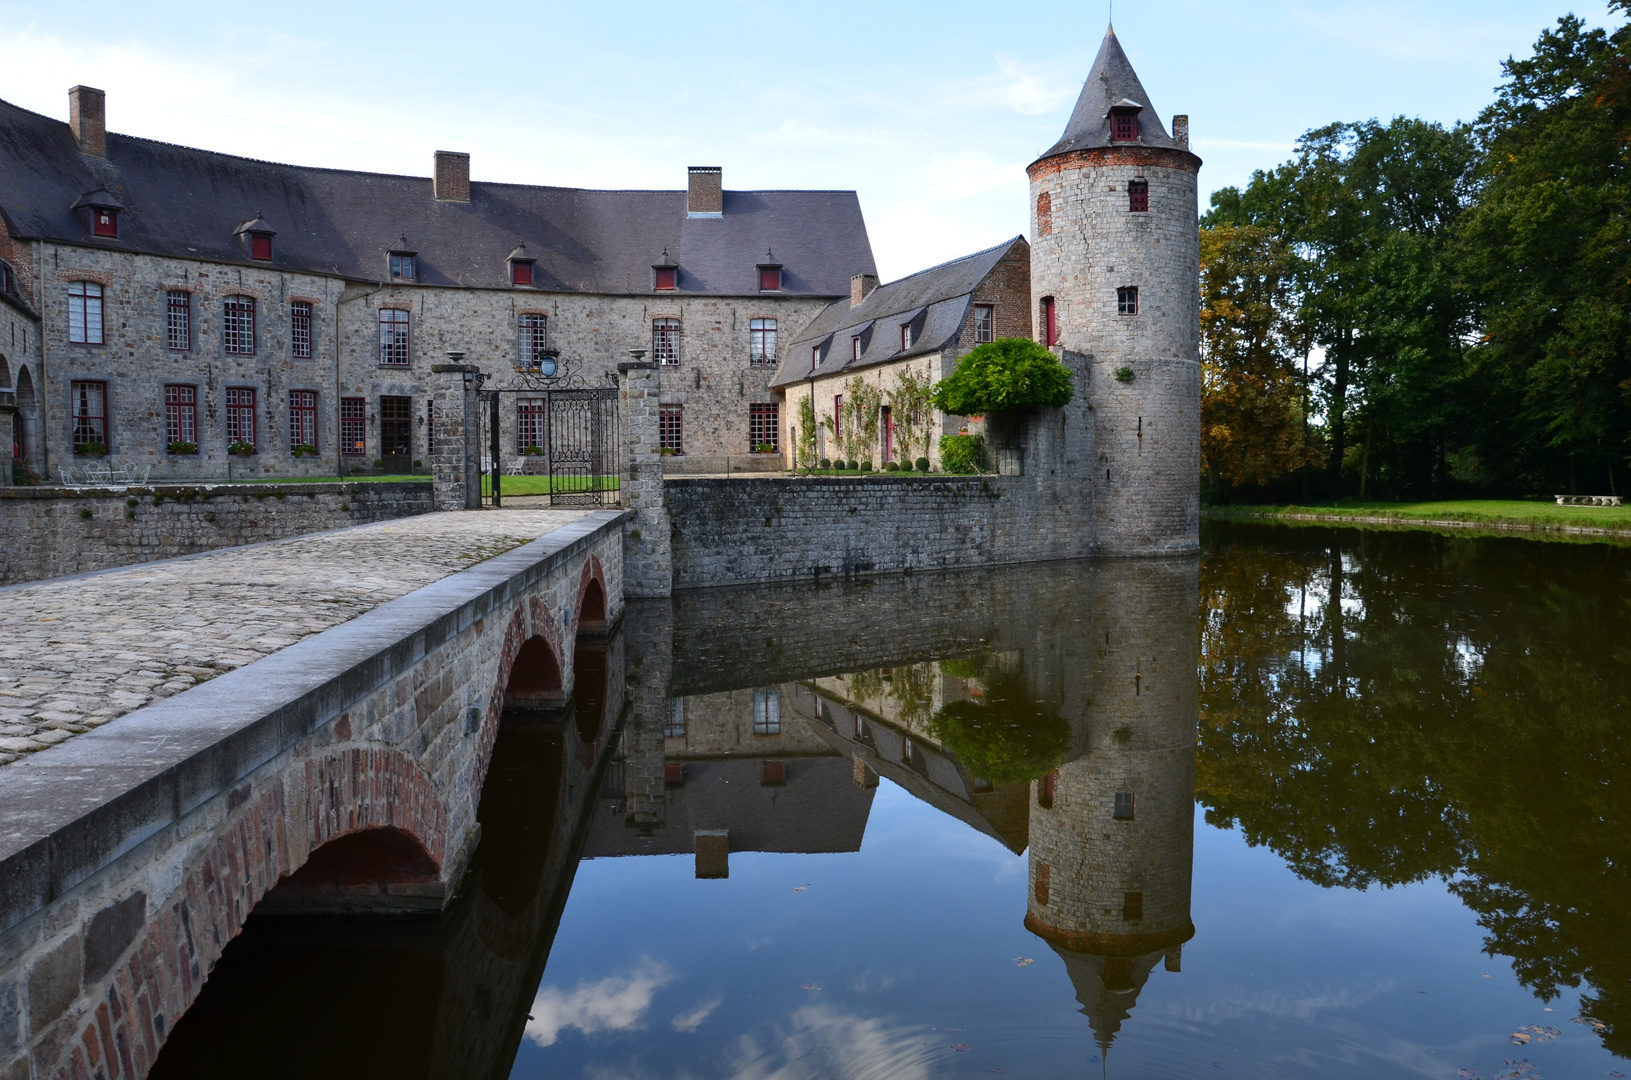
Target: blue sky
930	110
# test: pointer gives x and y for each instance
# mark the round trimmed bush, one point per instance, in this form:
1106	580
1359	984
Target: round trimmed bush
825	463
891	466
866	466
922	464
853	464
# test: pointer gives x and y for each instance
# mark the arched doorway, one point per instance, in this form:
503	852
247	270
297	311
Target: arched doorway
24	424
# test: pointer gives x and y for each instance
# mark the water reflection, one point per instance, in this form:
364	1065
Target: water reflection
1376	710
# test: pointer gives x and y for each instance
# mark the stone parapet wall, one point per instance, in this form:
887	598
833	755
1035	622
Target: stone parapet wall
48	532
752	529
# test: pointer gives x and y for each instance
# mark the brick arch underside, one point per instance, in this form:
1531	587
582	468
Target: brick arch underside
348	791
592	601
531	619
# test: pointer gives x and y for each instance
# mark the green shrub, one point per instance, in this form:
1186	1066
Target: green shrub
1009	738
1124	374
531	451
891	466
23	476
960	453
922	464
763	448
86	514
1009	373
91	449
853	465
305	450
183	447
866	466
241	448
826	463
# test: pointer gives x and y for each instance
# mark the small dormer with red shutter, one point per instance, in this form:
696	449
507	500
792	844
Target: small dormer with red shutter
256	236
1124	120
522	266
100	209
665	274
770	273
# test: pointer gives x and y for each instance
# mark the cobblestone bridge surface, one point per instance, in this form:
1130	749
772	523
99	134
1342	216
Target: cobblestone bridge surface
78	652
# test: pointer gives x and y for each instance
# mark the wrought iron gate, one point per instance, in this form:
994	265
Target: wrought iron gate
549	440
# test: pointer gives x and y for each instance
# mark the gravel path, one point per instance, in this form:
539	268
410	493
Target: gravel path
76	653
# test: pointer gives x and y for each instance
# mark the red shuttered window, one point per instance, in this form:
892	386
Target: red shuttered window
1138	196
671	429
764	427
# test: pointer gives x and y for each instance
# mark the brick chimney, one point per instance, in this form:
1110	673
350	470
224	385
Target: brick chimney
452	176
860	287
88	119
705	192
1180	131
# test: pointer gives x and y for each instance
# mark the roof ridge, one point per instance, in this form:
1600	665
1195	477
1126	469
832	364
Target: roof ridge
949	262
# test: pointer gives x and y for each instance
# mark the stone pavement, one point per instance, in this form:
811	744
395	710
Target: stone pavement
78	652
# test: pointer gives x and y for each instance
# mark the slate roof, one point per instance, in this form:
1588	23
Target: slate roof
190	203
1111	81
935	301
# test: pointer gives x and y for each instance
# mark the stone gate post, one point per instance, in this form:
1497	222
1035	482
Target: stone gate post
455	467
8	417
648	568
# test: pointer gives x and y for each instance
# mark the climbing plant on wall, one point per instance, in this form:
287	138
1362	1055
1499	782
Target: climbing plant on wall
912	408
804	449
861	405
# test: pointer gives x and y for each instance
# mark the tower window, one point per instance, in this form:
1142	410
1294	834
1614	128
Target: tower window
1138	196
1050	322
1045	790
1127	300
1041	886
1124	806
1132	907
1044	214
1123	126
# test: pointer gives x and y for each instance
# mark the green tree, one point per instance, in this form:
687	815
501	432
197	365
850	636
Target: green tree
1002	376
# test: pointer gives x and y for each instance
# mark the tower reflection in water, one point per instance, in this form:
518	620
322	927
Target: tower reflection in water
1054	713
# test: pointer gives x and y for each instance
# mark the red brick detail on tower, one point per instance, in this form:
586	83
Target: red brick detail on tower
1109	944
1150	156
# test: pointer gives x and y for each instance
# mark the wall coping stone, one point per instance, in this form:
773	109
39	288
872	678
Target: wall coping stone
212	489
70	810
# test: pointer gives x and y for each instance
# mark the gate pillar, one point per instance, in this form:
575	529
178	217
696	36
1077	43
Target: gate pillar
648	568
456	465
8	417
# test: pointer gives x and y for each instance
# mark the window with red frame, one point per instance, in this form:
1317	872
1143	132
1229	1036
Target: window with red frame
241	415
238	325
855	347
764	427
181	417
770	279
85	312
838	417
529	424
300	329
1138	196
815	357
520	272
178	321
985	323
761	341
90	402
767	712
665	341
393	337
105	223
260	247
671	429
1127	300
667	278
353	426
430	428
1050	322
1123	127
534	331
302	418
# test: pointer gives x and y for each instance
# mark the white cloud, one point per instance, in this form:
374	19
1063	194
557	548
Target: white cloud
822	1042
690	1021
615	1003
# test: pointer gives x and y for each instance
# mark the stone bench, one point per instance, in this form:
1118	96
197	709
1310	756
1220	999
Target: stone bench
1588	500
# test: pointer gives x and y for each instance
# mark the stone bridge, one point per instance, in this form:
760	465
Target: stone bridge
340	774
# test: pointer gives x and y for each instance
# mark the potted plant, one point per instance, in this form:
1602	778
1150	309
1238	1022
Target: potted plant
239	448
91	449
534	451
182	446
763	448
305	450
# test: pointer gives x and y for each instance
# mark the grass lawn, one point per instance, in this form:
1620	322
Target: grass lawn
532	485
423	478
1535	515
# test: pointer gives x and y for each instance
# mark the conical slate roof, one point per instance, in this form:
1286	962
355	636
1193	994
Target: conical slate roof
1111	82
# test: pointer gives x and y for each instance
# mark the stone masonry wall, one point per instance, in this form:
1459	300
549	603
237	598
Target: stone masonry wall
110	925
779	528
1146	427
49	532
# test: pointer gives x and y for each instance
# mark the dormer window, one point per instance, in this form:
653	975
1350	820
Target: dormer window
815	357
905	336
258	235
855	347
403	266
521	266
1124	121
1138	196
665	274
105	223
770	273
103	207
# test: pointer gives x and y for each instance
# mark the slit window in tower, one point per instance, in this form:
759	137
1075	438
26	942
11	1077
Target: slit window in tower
1138	196
1127	300
1045	790
1050	322
1124	806
1044	877
767	712
1132	907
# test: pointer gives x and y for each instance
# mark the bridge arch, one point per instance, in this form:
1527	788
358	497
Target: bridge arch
591	608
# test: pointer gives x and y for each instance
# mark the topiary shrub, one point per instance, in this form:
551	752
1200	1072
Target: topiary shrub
960	453
866	466
826	463
853	465
1001	375
922	464
891	466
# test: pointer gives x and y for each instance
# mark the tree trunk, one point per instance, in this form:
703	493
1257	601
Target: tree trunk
1338	417
1364	460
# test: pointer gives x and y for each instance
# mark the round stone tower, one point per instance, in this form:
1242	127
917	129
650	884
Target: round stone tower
1115	276
1112	832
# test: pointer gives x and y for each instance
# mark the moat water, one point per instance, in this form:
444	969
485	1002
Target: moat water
1318	804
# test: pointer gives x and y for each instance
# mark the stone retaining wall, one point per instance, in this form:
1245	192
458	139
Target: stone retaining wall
47	532
750	529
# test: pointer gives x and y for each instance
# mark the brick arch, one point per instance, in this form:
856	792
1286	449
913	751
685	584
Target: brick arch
530	619
593	601
364	788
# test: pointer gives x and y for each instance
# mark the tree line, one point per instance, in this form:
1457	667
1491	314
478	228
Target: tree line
1414	310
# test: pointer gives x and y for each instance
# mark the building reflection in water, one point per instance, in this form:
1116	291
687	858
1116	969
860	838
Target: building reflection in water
1051	712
